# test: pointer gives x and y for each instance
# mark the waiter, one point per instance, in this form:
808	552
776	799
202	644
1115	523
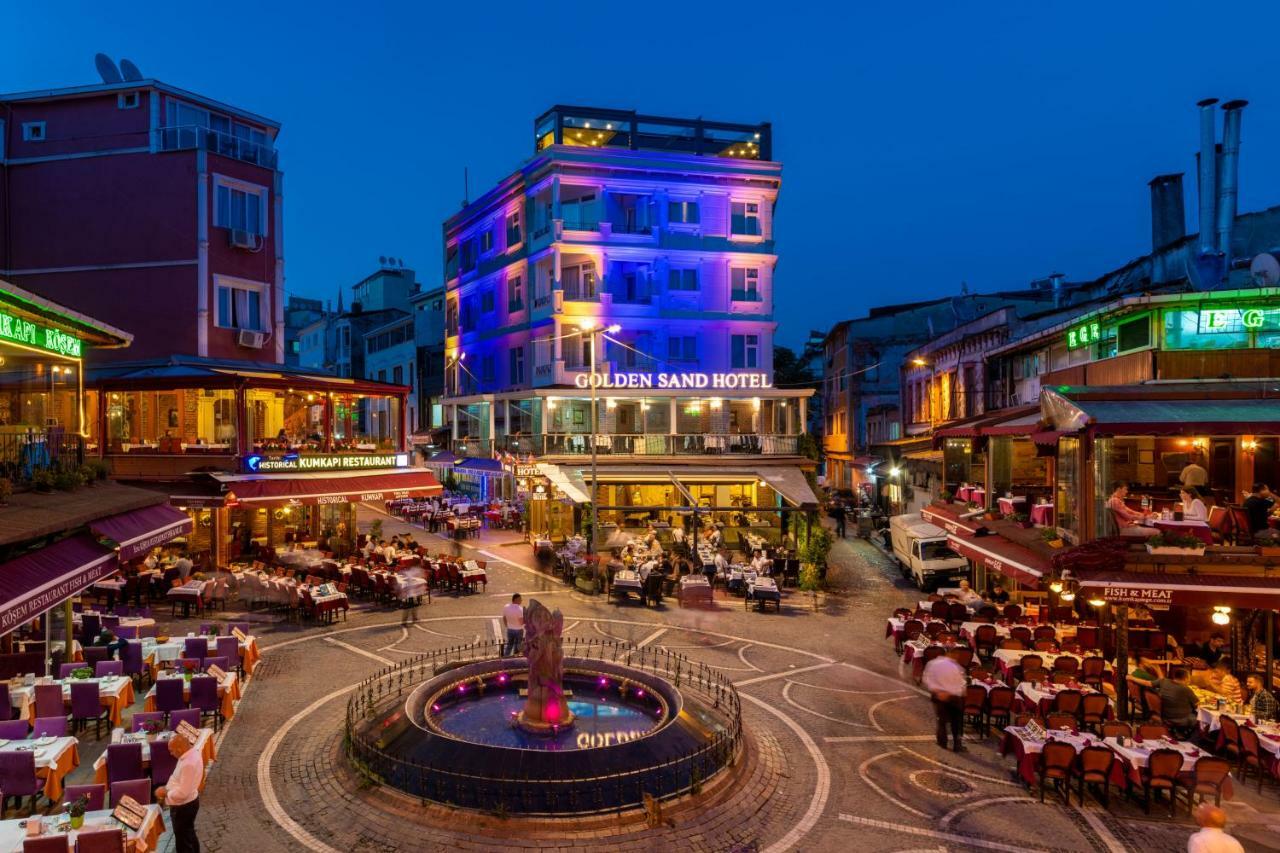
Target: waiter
182	793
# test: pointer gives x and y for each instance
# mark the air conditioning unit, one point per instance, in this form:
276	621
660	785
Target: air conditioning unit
245	239
250	338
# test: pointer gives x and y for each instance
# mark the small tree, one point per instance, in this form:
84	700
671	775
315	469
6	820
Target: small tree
375	530
814	552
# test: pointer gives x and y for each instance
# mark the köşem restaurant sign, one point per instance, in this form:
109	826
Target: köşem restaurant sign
719	381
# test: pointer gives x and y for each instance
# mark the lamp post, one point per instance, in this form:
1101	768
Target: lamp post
594	330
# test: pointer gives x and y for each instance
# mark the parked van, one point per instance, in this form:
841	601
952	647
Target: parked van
923	553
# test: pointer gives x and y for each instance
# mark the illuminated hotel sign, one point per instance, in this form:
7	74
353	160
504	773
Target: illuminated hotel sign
259	464
717	381
22	331
1083	335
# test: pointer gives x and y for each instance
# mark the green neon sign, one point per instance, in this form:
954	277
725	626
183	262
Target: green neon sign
1083	335
1234	319
18	330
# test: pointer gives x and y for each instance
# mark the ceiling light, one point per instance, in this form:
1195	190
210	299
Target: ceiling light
1068	596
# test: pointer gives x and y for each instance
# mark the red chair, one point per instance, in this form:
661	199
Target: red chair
1208	777
1250	757
102	841
1095	768
975	707
1163	772
1057	759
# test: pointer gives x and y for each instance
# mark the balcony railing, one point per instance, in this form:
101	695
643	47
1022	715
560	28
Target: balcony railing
193	136
579	444
22	454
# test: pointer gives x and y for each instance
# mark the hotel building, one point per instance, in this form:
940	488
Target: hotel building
657	234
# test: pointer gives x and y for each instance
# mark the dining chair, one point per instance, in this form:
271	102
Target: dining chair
49	701
18	779
1094	708
1095	768
101	841
1250	756
103	668
1229	737
999	706
95	794
1162	774
141	718
1153	731
138	787
14	729
204	695
184	715
49	727
1057	720
1116	728
132	663
1055	766
87	707
45	844
162	764
124	761
975	707
1208	777
65	670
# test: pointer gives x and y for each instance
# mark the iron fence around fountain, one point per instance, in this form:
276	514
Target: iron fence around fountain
516	794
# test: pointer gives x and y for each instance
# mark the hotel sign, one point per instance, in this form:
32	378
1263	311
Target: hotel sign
259	463
681	381
20	331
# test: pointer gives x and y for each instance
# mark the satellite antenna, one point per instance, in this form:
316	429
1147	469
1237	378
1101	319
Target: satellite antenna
382	259
107	69
130	71
1265	270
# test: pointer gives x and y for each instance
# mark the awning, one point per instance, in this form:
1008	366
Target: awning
480	465
949	520
790	483
933	456
866	463
567	481
1023	425
1140	416
43	579
1201	590
135	533
1000	555
444	457
329	487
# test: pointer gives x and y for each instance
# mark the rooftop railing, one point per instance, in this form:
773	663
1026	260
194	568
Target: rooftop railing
180	137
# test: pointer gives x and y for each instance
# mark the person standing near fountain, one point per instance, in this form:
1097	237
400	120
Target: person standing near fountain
513	618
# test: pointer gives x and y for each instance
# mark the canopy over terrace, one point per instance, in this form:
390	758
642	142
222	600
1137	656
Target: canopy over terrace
328	487
1183	408
789	483
1199	590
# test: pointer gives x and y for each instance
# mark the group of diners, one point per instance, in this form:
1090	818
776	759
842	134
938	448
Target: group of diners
1049	692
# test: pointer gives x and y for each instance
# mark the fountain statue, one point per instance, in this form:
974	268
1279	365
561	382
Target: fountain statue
545	710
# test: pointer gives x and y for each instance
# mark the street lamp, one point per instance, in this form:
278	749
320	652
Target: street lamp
594	330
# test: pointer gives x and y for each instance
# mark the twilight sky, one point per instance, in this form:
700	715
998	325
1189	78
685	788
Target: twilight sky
923	144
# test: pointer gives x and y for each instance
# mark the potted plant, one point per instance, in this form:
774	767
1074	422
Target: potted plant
42	480
81	673
1021	519
213	631
1268	542
1175	544
189	669
375	530
76	809
152	727
1052	537
944	497
814	551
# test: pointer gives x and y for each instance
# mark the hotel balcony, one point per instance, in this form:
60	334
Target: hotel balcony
217	142
578	445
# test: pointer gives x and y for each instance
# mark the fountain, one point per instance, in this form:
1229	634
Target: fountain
598	729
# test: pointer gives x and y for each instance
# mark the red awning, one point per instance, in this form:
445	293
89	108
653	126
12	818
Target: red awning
330	487
950	521
1194	590
43	579
1000	555
139	531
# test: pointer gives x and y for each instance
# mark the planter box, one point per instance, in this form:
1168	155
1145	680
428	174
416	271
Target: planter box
1025	525
1269	550
1176	552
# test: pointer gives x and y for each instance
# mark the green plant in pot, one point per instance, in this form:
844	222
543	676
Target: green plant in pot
1052	537
82	673
76	809
188	670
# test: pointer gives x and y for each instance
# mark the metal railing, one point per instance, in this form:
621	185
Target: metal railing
661	444
178	137
511	791
23	454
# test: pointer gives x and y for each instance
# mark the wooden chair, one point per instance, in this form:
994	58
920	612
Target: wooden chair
1000	706
1095	767
1093	710
1208	777
975	707
1057	759
1059	720
1250	757
1230	738
1153	731
1162	774
1115	728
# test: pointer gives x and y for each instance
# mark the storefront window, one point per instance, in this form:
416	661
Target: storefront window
1205	330
38	392
1067	487
170	421
285	420
571	415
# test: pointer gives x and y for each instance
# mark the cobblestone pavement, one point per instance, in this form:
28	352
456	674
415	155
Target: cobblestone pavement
840	748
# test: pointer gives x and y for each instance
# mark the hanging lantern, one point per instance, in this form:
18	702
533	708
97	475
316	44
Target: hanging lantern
1221	615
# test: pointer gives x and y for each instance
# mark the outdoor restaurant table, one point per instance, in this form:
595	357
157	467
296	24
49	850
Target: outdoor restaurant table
1042	514
1038	698
472	574
145	838
894	627
157	653
1136	755
626	582
1027	749
1198	529
187	594
55	758
761	590
693	588
1007	505
228	690
114	691
1012	657
204	743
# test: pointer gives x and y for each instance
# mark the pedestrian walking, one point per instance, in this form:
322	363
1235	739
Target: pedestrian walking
840	513
182	794
513	618
1212	837
945	679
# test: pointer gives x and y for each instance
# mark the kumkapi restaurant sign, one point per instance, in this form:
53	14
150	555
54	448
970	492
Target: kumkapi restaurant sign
716	381
20	331
262	464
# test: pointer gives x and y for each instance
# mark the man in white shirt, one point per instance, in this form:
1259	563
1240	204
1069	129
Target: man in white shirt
966	595
677	533
946	680
720	567
762	564
513	618
1212	837
183	565
182	794
1193	475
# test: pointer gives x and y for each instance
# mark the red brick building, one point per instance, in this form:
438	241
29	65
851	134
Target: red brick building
155	209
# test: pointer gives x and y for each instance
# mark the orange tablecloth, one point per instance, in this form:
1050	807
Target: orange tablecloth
54	774
208	753
249	656
117	704
229	696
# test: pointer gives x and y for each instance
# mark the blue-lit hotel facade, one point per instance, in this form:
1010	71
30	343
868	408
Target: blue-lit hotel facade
662	228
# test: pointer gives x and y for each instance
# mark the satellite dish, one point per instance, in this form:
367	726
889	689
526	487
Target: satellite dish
107	69
1265	270
129	70
382	259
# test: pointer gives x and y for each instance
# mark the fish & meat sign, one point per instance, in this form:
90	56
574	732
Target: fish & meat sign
1137	595
718	381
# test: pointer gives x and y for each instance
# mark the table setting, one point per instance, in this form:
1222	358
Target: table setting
145	837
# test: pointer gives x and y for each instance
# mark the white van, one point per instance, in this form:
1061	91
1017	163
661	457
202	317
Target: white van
923	553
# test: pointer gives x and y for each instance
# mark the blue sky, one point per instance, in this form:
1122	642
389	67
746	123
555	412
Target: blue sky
923	144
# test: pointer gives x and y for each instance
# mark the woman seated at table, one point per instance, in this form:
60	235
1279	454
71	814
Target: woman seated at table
1128	521
1193	508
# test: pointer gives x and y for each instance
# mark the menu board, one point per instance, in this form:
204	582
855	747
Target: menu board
130	812
238	634
216	672
188	731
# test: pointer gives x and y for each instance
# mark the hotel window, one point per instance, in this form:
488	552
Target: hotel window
128	100
579	282
745	283
682	280
487	370
451	318
239	206
517	366
240	307
744	218
579	214
486	241
468	255
514	233
397	375
33	131
745	350
682	212
515	293
682	348
487	302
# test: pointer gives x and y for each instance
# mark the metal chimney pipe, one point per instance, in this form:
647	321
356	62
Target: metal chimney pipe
1229	178
1207	173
